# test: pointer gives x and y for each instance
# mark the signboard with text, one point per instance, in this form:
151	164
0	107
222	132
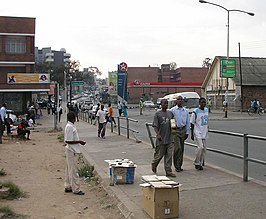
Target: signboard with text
122	81
19	78
112	88
228	68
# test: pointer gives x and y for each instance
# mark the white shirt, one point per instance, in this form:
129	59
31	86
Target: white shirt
3	113
101	114
71	134
199	118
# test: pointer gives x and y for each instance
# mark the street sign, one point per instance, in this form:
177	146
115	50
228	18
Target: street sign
78	83
228	68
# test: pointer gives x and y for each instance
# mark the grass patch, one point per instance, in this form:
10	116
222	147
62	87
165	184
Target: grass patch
2	172
84	169
9	213
14	191
60	137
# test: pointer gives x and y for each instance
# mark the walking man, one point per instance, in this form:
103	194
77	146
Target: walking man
164	139
72	151
101	117
182	131
119	107
111	114
141	105
199	131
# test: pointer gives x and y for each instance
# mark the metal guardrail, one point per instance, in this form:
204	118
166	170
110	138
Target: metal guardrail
84	115
245	157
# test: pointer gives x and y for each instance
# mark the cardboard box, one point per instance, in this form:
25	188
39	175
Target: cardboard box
123	175
161	203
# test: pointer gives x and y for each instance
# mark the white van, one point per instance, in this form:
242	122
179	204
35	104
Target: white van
191	100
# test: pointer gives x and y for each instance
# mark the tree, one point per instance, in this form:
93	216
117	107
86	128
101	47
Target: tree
207	63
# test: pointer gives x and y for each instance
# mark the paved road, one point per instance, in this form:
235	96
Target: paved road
236	122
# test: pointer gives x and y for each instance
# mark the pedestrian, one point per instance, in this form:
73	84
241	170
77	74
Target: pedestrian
181	115
23	129
101	117
199	131
5	120
76	110
164	139
119	107
72	150
60	112
209	104
111	114
97	109
124	109
141	105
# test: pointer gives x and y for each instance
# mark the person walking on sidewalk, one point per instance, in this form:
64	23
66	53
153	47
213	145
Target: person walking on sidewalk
111	114
101	117
119	107
164	139
72	150
199	131
181	134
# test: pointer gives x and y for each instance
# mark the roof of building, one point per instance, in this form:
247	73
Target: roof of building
253	70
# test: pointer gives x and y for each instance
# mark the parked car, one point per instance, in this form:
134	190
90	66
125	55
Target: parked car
148	104
11	115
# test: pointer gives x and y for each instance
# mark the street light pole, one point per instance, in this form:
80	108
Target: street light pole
227	53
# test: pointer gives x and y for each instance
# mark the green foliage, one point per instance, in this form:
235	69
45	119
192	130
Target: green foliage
61	137
14	191
2	172
84	169
9	213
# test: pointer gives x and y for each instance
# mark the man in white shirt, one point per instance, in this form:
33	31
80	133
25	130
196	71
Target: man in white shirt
101	117
4	120
199	131
72	151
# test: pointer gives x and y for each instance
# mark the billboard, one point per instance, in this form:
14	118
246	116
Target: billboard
228	68
122	81
26	78
112	86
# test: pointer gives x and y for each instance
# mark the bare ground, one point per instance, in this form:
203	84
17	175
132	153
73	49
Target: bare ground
37	167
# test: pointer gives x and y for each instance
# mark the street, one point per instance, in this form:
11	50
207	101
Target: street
248	125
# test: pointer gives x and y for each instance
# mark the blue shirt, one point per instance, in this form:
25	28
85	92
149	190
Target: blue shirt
182	117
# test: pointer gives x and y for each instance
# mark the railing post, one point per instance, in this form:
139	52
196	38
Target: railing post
127	128
118	125
112	126
149	133
245	159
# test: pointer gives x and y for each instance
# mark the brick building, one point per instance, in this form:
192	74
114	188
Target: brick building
17	35
155	82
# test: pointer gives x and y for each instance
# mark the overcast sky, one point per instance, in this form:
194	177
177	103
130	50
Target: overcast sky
103	33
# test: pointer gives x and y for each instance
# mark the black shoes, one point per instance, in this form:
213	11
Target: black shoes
79	193
178	169
198	167
68	190
170	175
153	168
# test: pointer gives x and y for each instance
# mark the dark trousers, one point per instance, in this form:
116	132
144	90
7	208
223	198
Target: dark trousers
101	129
7	125
179	142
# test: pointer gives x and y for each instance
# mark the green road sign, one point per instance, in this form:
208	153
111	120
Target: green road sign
78	83
228	68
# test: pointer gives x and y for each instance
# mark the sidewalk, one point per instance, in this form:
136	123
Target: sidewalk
211	193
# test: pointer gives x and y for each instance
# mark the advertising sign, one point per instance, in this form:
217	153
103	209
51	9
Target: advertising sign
25	78
122	81
112	87
228	68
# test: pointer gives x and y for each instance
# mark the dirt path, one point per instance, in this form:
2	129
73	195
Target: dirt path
37	167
